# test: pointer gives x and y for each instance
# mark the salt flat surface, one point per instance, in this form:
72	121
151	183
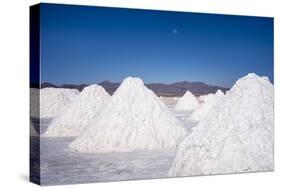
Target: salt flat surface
59	165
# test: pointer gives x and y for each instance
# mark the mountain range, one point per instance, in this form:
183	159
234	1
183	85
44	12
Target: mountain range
161	89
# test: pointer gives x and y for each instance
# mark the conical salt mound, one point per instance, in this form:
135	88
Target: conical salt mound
134	119
53	100
76	116
201	98
219	93
236	137
209	102
187	102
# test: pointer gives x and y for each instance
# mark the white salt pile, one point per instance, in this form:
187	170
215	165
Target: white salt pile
53	100
209	102
76	116
236	137
201	98
219	93
134	119
187	102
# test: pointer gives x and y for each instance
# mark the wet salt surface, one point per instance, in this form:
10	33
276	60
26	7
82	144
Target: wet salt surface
59	165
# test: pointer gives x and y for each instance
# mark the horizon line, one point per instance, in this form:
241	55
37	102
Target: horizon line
116	82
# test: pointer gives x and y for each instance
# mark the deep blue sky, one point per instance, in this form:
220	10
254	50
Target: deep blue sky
81	44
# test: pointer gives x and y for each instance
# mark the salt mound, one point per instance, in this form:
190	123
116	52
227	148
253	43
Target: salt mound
209	102
201	98
205	97
134	119
219	93
187	102
76	116
237	136
53	100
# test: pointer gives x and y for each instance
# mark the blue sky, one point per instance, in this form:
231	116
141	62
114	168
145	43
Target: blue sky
83	44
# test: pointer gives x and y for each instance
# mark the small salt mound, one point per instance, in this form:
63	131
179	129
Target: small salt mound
210	101
53	100
76	116
187	102
236	137
134	119
208	96
201	98
219	93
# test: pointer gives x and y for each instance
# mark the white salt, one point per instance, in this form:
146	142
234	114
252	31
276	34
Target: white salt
187	102
53	100
76	116
210	101
237	135
134	119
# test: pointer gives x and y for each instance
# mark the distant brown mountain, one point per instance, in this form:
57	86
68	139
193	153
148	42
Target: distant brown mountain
173	89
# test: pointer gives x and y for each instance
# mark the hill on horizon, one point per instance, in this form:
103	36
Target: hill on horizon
161	89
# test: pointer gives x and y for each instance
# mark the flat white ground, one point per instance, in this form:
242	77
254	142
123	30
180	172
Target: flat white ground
61	166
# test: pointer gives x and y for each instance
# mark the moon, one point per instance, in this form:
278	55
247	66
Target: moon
175	31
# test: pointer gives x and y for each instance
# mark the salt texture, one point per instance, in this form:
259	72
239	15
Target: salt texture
76	116
201	98
134	119
187	102
237	135
53	100
209	102
219	93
